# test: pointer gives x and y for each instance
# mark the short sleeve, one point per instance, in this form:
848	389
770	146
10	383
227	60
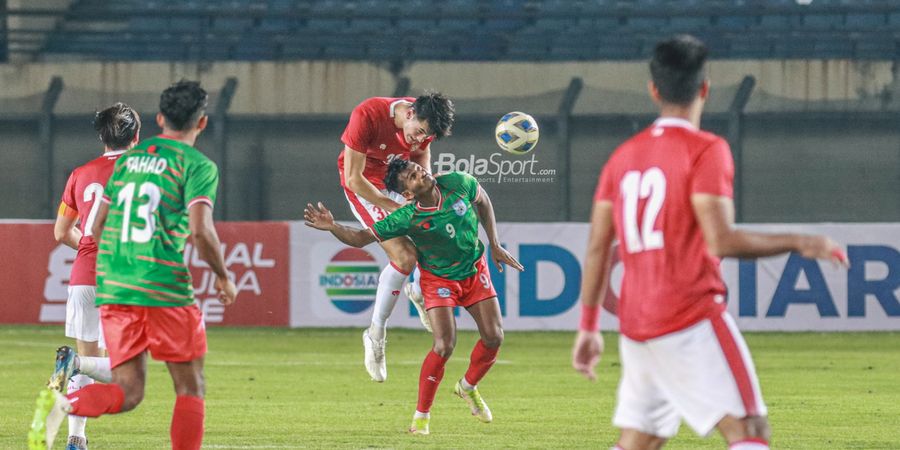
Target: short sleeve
68	196
606	186
200	183
394	225
713	171
360	130
471	186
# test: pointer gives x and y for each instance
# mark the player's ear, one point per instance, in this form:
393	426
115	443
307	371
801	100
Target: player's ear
407	194
704	90
202	122
161	120
654	92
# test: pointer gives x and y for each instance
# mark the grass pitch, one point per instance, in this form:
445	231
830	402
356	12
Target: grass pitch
274	388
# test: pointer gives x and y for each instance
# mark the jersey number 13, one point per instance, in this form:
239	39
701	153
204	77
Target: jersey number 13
641	235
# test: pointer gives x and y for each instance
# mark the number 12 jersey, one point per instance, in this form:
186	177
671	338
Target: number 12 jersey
671	280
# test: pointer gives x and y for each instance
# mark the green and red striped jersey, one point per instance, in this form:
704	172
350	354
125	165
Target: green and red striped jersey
445	235
140	259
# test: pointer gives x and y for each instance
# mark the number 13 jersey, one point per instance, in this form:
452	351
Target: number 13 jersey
141	253
671	280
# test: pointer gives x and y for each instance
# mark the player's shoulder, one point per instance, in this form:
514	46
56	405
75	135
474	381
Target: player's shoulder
454	178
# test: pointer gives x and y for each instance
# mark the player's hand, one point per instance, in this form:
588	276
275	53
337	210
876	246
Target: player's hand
821	247
319	218
586	353
227	290
501	257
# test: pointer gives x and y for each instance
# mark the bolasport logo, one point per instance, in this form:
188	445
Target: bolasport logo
496	168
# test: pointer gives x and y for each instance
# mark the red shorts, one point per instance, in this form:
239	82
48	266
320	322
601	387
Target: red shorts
171	334
440	291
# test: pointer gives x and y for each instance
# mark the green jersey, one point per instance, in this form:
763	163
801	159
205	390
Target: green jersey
140	260
446	235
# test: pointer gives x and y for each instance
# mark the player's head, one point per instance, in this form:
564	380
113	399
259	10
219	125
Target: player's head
407	178
432	114
119	127
678	70
182	107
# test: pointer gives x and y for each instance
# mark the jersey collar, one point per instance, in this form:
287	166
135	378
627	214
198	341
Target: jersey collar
114	152
394	105
674	122
432	208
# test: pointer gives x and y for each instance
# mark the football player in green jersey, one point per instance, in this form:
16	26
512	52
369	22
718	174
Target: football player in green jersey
160	193
442	219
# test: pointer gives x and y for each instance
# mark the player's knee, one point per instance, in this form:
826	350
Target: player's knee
493	338
405	261
133	398
195	387
444	347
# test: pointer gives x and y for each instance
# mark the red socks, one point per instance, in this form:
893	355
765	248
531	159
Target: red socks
429	380
481	361
187	423
97	399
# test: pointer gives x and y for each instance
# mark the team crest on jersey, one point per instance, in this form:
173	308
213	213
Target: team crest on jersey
460	207
443	292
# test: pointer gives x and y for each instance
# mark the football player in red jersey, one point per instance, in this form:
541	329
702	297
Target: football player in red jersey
666	196
380	130
118	128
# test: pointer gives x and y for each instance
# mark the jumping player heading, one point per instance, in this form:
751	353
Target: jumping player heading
443	224
666	196
383	129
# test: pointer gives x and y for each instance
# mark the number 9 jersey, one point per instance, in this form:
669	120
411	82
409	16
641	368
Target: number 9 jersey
671	280
141	251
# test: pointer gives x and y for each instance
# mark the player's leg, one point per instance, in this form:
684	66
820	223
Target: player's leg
487	316
709	376
643	414
748	433
82	324
187	419
444	340
631	439
178	336
402	254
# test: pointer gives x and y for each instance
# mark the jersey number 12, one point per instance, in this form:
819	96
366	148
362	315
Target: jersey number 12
635	186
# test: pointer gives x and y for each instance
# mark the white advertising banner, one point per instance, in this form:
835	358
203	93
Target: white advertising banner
334	285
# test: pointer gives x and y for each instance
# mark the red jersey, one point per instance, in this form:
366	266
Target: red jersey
81	198
371	130
671	280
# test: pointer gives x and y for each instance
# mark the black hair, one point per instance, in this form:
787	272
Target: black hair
183	104
678	68
117	126
437	110
392	179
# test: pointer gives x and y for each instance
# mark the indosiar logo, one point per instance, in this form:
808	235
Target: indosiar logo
350	280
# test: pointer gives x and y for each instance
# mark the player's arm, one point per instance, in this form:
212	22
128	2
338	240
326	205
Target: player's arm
716	217
423	157
354	164
489	222
206	241
100	219
589	343
64	230
320	218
